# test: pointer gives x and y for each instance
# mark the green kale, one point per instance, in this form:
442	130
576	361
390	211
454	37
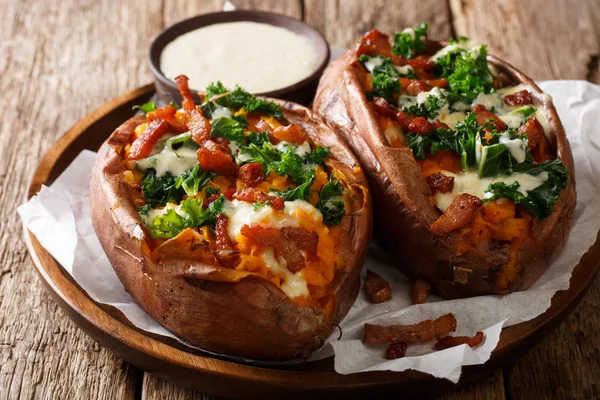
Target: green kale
239	98
258	138
467	72
228	128
333	210
146	107
317	156
174	104
428	109
210	190
384	86
541	200
419	144
300	192
408	45
194	180
259	204
160	190
190	214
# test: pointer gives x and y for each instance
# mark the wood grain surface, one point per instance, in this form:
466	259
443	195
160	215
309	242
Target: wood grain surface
61	60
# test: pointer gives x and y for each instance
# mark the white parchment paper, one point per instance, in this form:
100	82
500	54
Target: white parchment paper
59	217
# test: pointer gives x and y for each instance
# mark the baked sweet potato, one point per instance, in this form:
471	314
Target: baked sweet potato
429	123
241	225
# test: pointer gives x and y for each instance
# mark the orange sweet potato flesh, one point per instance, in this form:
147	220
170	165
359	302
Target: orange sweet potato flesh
217	308
454	266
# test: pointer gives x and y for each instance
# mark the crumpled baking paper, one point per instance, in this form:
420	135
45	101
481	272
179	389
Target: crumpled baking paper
59	217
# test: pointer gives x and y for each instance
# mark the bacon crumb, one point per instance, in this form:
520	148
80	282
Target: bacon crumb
521	98
377	288
438	182
225	251
421	126
458	215
252	195
420	291
251	174
186	94
395	350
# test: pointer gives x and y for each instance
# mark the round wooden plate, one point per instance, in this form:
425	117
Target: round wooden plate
226	378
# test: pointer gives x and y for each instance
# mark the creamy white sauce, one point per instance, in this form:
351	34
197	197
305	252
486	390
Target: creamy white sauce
221	112
463	45
373	63
516	147
259	57
469	182
404	70
294	285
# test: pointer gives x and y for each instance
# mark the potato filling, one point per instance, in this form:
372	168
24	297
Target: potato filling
233	184
483	146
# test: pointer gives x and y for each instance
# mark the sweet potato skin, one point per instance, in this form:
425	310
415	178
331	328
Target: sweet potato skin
234	313
401	197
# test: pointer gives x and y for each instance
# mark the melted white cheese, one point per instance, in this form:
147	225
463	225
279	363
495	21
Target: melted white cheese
469	182
168	160
301	150
242	213
404	70
373	63
259	57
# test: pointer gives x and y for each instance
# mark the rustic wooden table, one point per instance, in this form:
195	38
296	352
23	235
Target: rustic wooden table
59	60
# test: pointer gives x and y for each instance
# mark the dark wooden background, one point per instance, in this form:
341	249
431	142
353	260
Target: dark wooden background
59	60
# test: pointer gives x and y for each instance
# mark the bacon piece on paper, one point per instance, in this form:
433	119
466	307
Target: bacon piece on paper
377	288
395	350
419	332
420	291
451	341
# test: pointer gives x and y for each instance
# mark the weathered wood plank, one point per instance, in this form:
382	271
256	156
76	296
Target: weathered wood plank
488	388
564	365
343	22
176	10
155	388
58	63
547	40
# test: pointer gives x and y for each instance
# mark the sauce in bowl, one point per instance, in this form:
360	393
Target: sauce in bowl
259	57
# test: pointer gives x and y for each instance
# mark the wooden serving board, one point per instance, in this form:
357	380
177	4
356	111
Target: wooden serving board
229	379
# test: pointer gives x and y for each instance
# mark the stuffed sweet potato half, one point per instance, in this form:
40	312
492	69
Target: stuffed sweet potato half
469	167
241	225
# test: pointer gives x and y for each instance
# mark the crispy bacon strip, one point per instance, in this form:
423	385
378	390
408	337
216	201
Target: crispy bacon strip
406	82
213	157
420	291
438	182
377	288
538	143
167	112
422	331
459	214
229	194
421	126
396	350
251	174
252	195
143	145
282	242
386	109
225	251
521	98
483	116
374	42
290	133
188	99
451	341
199	126
303	238
421	62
